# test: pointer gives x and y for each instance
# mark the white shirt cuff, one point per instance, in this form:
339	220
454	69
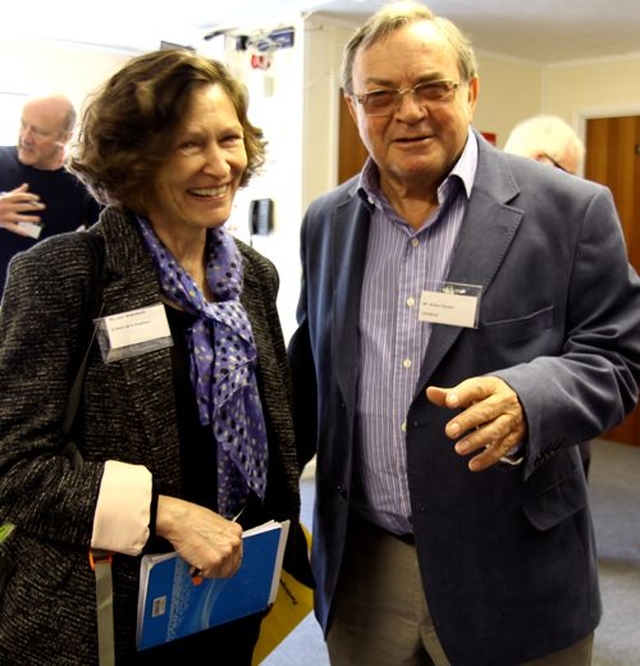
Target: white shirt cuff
121	521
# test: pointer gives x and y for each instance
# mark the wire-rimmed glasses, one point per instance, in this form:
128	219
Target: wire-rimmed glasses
385	101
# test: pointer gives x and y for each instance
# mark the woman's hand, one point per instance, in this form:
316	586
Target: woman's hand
210	543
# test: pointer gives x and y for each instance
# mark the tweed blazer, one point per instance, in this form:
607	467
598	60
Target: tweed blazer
128	413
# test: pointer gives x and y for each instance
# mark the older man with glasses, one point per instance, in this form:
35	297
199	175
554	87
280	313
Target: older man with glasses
466	318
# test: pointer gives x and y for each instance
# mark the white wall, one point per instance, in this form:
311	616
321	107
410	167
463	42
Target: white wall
510	90
594	89
324	42
30	66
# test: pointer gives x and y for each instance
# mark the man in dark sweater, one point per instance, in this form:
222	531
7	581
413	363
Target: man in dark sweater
38	196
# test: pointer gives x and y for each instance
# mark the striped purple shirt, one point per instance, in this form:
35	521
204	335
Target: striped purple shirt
401	263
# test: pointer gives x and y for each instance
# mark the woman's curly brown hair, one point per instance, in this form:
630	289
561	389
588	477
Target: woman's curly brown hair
129	124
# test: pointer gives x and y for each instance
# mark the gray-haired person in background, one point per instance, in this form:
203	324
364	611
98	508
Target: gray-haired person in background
547	139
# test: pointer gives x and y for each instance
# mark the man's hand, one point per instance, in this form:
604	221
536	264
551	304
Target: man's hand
17	206
492	421
211	544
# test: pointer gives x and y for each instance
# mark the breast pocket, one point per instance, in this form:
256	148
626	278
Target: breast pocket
507	342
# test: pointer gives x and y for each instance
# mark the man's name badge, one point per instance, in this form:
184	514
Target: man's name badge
133	333
453	305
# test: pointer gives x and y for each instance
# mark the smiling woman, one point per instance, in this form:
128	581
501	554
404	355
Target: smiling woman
196	184
177	438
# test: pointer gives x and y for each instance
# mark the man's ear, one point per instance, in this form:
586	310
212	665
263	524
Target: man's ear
65	137
351	105
473	90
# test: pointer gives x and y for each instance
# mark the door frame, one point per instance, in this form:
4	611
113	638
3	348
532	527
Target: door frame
584	115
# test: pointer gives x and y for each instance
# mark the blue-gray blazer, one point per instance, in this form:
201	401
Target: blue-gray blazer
507	557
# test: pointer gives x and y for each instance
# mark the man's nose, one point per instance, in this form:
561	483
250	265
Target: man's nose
408	104
26	134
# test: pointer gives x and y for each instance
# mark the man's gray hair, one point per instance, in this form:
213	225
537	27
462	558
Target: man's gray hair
397	15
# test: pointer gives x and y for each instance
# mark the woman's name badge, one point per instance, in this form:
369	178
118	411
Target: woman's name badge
133	333
453	305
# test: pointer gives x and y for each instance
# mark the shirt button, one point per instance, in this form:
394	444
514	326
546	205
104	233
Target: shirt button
403	427
415	242
411	301
406	363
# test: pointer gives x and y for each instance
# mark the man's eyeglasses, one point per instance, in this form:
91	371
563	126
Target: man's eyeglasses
386	101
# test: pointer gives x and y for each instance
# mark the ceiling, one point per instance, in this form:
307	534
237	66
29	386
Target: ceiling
545	31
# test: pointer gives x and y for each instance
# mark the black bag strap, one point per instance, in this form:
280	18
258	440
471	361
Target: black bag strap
87	333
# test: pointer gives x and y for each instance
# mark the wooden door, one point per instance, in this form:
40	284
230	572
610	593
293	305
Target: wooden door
351	151
613	159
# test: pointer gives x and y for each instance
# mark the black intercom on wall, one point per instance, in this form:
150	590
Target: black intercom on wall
261	217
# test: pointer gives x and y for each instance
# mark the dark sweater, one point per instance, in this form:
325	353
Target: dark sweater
69	205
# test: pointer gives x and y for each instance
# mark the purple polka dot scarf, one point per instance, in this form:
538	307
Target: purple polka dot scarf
223	359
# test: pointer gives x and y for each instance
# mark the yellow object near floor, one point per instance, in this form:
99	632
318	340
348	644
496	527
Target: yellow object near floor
293	603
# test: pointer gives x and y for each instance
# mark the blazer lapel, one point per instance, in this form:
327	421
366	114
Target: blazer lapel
350	233
487	231
133	284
